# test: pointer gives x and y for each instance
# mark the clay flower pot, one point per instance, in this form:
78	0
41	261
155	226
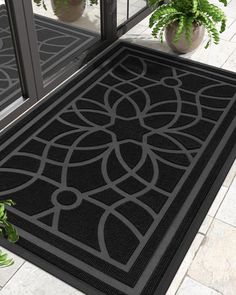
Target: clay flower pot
70	12
183	45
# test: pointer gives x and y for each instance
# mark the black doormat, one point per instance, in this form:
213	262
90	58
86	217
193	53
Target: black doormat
113	176
58	45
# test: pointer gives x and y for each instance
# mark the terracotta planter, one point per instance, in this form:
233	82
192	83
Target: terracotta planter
70	12
183	46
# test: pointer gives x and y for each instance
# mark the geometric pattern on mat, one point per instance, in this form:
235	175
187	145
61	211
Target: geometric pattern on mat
57	45
103	171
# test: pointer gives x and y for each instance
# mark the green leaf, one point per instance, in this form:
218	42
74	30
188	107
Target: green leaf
7	230
180	29
11	233
225	2
188	29
154	3
5	260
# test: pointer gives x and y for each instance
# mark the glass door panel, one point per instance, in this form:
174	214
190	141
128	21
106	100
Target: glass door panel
136	6
10	90
52	42
65	32
127	9
122	11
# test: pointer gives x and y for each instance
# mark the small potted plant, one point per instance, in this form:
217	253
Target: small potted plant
184	22
7	231
67	10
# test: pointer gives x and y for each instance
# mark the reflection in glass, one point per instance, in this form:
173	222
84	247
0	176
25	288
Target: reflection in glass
64	33
128	8
122	11
10	91
135	6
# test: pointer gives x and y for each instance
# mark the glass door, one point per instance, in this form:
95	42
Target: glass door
46	42
43	43
12	98
129	13
65	32
63	35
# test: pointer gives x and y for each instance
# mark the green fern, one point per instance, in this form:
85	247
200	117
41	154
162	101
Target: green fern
180	28
186	13
7	231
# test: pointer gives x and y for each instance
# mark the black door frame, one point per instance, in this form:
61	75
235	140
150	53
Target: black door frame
21	20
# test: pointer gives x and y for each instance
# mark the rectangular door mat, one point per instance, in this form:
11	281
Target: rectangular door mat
58	44
113	176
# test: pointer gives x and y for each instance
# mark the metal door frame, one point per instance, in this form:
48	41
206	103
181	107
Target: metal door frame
24	37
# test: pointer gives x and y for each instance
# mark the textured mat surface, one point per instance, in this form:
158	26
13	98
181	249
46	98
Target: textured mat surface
57	42
108	178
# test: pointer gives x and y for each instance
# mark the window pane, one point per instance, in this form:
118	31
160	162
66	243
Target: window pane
122	11
64	32
135	6
128	8
10	91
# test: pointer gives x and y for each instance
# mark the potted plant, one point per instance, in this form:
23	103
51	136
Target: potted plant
67	10
184	22
7	231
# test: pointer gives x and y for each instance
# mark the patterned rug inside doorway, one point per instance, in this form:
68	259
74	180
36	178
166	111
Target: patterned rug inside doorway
58	45
108	177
